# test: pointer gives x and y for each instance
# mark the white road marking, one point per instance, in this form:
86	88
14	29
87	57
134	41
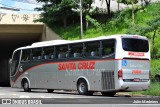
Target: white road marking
45	97
24	96
13	94
41	96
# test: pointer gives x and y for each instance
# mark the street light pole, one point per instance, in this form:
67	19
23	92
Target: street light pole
81	19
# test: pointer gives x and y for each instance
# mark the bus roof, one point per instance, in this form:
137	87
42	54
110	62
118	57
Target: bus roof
61	42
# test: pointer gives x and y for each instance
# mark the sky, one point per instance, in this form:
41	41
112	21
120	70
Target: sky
24	7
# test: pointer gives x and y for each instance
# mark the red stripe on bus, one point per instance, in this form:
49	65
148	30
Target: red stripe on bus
60	62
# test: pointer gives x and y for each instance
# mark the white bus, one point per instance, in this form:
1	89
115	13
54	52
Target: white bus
106	64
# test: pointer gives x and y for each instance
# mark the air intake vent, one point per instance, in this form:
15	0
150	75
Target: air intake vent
108	80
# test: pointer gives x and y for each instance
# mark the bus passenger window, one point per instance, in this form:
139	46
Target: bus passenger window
76	50
37	54
92	49
108	47
62	51
48	53
26	55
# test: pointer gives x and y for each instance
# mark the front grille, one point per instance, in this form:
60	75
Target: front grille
107	80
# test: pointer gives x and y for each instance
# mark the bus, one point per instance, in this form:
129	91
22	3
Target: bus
106	64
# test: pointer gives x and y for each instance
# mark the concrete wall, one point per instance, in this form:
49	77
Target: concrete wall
19	19
49	34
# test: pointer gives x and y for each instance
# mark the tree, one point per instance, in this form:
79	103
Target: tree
147	2
86	7
55	10
132	2
108	4
152	29
118	1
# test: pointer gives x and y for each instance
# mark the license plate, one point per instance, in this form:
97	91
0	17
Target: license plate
136	80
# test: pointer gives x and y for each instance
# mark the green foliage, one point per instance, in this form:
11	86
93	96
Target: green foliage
122	19
154	90
68	33
95	23
155	69
128	1
55	10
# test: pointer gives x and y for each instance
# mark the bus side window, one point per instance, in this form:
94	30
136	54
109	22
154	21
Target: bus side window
37	53
62	51
76	50
92	49
48	53
108	47
26	55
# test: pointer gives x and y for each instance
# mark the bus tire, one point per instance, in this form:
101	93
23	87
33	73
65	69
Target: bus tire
50	90
26	86
82	87
108	93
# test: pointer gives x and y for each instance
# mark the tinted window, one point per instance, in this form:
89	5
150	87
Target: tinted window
76	50
62	51
16	56
48	52
15	62
136	45
37	53
25	55
108	47
92	48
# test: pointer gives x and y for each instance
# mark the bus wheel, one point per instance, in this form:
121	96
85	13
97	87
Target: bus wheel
50	90
82	87
108	93
26	86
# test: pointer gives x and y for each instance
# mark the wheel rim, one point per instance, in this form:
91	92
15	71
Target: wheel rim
82	87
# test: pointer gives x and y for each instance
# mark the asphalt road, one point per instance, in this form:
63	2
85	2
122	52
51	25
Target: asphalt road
72	97
8	92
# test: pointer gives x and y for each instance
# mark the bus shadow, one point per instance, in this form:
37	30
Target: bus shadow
96	94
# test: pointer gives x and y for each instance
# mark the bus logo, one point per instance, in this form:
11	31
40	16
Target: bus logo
135	53
20	69
72	66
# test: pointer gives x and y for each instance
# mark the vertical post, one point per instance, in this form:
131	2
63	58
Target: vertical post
81	21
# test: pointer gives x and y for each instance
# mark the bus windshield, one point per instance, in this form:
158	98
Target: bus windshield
135	45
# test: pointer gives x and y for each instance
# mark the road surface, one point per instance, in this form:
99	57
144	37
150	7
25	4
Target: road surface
72	97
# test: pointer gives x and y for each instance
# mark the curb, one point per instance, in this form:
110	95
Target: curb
136	95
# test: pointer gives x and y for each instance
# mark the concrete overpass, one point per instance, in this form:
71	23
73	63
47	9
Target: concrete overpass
18	30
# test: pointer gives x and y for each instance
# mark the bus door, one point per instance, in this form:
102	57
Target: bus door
135	64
